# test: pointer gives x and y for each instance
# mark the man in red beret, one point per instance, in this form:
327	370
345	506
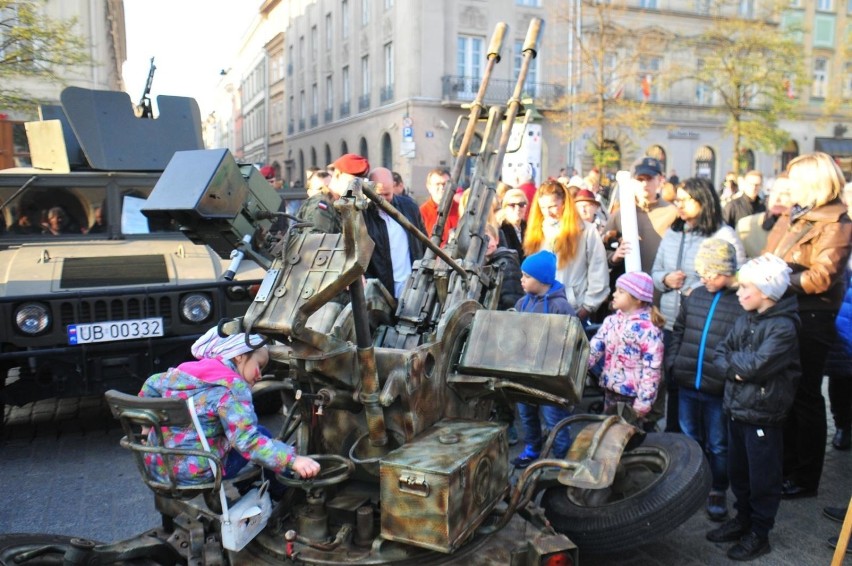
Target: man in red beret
319	208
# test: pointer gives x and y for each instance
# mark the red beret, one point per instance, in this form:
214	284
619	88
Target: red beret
585	195
268	172
352	164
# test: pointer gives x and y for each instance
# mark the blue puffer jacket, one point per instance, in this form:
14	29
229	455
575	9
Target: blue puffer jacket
552	302
839	361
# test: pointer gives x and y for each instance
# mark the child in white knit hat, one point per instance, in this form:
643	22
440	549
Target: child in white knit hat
760	361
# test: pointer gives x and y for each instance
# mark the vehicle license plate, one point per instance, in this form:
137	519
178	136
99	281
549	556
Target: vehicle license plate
115	330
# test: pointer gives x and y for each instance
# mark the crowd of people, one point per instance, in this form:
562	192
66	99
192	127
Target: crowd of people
724	342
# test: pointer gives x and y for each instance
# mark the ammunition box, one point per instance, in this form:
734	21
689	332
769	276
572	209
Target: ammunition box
436	490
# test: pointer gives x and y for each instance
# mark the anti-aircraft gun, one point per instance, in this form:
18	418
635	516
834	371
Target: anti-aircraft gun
393	397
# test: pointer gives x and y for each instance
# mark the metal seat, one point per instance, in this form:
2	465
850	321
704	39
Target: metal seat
172	498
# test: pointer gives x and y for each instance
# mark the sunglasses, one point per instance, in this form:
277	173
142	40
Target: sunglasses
516	205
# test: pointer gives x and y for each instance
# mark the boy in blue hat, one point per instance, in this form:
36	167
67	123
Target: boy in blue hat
544	294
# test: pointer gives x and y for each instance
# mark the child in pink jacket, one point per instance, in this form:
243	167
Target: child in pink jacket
631	342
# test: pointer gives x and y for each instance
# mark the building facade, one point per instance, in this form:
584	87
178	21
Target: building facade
388	79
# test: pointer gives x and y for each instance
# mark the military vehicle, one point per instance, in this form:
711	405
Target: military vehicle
393	398
104	297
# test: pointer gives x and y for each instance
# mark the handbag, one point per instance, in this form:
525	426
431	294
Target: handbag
248	516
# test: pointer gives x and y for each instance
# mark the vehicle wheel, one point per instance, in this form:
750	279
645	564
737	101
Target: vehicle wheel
658	486
53	547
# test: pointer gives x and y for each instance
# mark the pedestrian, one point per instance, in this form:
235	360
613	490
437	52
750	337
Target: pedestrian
760	361
318	210
543	294
706	316
631	343
219	383
555	225
814	238
673	271
512	216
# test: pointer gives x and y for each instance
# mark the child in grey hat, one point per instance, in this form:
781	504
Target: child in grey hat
760	361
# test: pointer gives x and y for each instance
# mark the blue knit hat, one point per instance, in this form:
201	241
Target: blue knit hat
541	266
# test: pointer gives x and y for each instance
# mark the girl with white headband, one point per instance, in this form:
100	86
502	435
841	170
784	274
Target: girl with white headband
219	383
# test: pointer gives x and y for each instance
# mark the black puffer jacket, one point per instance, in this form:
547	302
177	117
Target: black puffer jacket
507	261
763	350
681	359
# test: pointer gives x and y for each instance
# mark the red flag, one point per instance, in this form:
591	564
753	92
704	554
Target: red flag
646	87
788	86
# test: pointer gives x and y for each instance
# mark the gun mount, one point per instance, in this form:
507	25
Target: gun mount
402	390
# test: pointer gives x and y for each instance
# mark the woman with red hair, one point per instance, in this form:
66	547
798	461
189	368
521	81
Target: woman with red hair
555	225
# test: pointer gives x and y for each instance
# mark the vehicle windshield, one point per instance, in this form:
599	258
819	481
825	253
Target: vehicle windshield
49	212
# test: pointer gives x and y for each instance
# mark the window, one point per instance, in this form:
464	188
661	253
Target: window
795	3
301	52
365	11
819	88
824	30
532	73
329	93
533	3
344	16
388	50
303	107
648	4
314	42
824	5
847	82
290	60
469	61
329	31
314	99
746	9
346	92
702	7
365	75
388	4
649	68
849	7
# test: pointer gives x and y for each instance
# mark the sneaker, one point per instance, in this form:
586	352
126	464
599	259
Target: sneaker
512	435
835	513
834	541
717	506
527	457
750	547
730	531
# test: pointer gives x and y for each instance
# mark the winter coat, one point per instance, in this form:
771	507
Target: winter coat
763	349
512	239
381	266
224	405
632	347
740	207
507	261
552	302
667	261
586	277
685	347
818	259
839	361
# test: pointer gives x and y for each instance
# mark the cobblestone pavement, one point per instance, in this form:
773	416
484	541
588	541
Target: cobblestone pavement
62	472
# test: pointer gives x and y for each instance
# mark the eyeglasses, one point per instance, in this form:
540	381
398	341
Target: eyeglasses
515	205
682	201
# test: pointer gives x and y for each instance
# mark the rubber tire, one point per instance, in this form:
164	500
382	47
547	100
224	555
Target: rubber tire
677	492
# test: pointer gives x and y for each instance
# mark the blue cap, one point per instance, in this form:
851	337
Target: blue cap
541	266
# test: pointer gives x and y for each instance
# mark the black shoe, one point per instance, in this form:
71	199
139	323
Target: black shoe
792	490
833	541
835	513
842	439
750	547
730	531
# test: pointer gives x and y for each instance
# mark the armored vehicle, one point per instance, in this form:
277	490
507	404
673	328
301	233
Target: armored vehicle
102	297
394	397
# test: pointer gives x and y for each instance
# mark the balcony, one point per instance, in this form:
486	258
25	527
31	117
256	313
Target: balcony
329	115
363	102
344	109
386	94
463	89
314	120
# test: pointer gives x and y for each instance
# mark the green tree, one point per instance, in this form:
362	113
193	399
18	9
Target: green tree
754	66
34	46
615	67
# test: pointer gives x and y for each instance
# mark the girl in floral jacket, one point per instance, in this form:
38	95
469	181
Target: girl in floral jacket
219	384
631	342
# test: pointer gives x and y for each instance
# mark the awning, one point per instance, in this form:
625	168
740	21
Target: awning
834	146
